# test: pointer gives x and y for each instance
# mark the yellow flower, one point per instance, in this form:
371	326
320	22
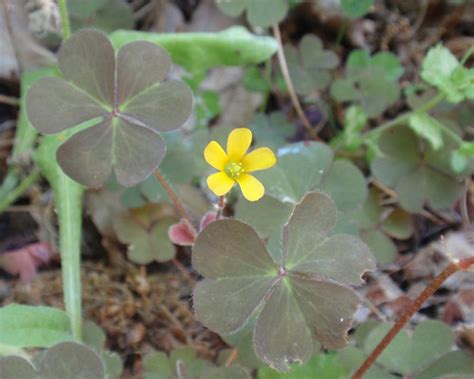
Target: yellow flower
235	166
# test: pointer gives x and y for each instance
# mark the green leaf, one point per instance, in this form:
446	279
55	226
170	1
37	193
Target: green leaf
418	175
325	366
145	230
17	368
428	128
438	68
255	81
69	360
295	294
370	82
121	95
197	52
355	119
310	66
356	8
263	13
33	326
106	15
453	365
407	355
271	130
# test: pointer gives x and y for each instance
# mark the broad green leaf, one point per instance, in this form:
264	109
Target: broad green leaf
255	81
159	365
259	13
370	81
441	69
428	128
418	174
378	223
351	358
70	360
310	65
145	230
271	130
124	98
13	367
33	326
303	167
325	366
453	365
356	8
295	294
198	52
408	355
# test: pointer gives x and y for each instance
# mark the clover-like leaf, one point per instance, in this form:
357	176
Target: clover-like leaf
145	230
66	360
271	130
303	167
183	363
122	94
325	366
423	353
370	82
310	64
378	223
259	13
297	293
418	174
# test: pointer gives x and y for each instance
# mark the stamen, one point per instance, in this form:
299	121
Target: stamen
233	169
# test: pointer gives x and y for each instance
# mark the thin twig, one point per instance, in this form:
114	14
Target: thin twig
464	205
176	201
10	100
232	357
220	207
432	287
289	84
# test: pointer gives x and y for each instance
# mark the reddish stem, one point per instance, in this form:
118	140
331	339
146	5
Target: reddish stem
176	202
432	287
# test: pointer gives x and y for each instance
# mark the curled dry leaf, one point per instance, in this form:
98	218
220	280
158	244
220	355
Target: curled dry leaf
297	293
121	98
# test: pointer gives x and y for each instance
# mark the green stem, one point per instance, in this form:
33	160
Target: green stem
68	202
64	18
11	196
403	118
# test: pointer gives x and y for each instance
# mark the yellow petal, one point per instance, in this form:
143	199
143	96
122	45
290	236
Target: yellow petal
259	159
251	187
215	155
238	143
219	183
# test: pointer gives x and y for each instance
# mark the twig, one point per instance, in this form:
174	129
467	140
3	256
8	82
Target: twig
432	287
176	201
289	84
232	357
220	207
464	205
10	100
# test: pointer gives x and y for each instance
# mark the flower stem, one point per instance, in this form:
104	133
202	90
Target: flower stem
64	19
176	201
220	207
19	190
432	287
289	84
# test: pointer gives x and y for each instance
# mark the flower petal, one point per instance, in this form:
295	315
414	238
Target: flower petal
215	155
238	143
219	183
251	187
259	159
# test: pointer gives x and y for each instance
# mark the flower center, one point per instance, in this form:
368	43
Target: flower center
234	170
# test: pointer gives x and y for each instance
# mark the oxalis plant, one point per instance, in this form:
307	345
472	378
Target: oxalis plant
280	276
